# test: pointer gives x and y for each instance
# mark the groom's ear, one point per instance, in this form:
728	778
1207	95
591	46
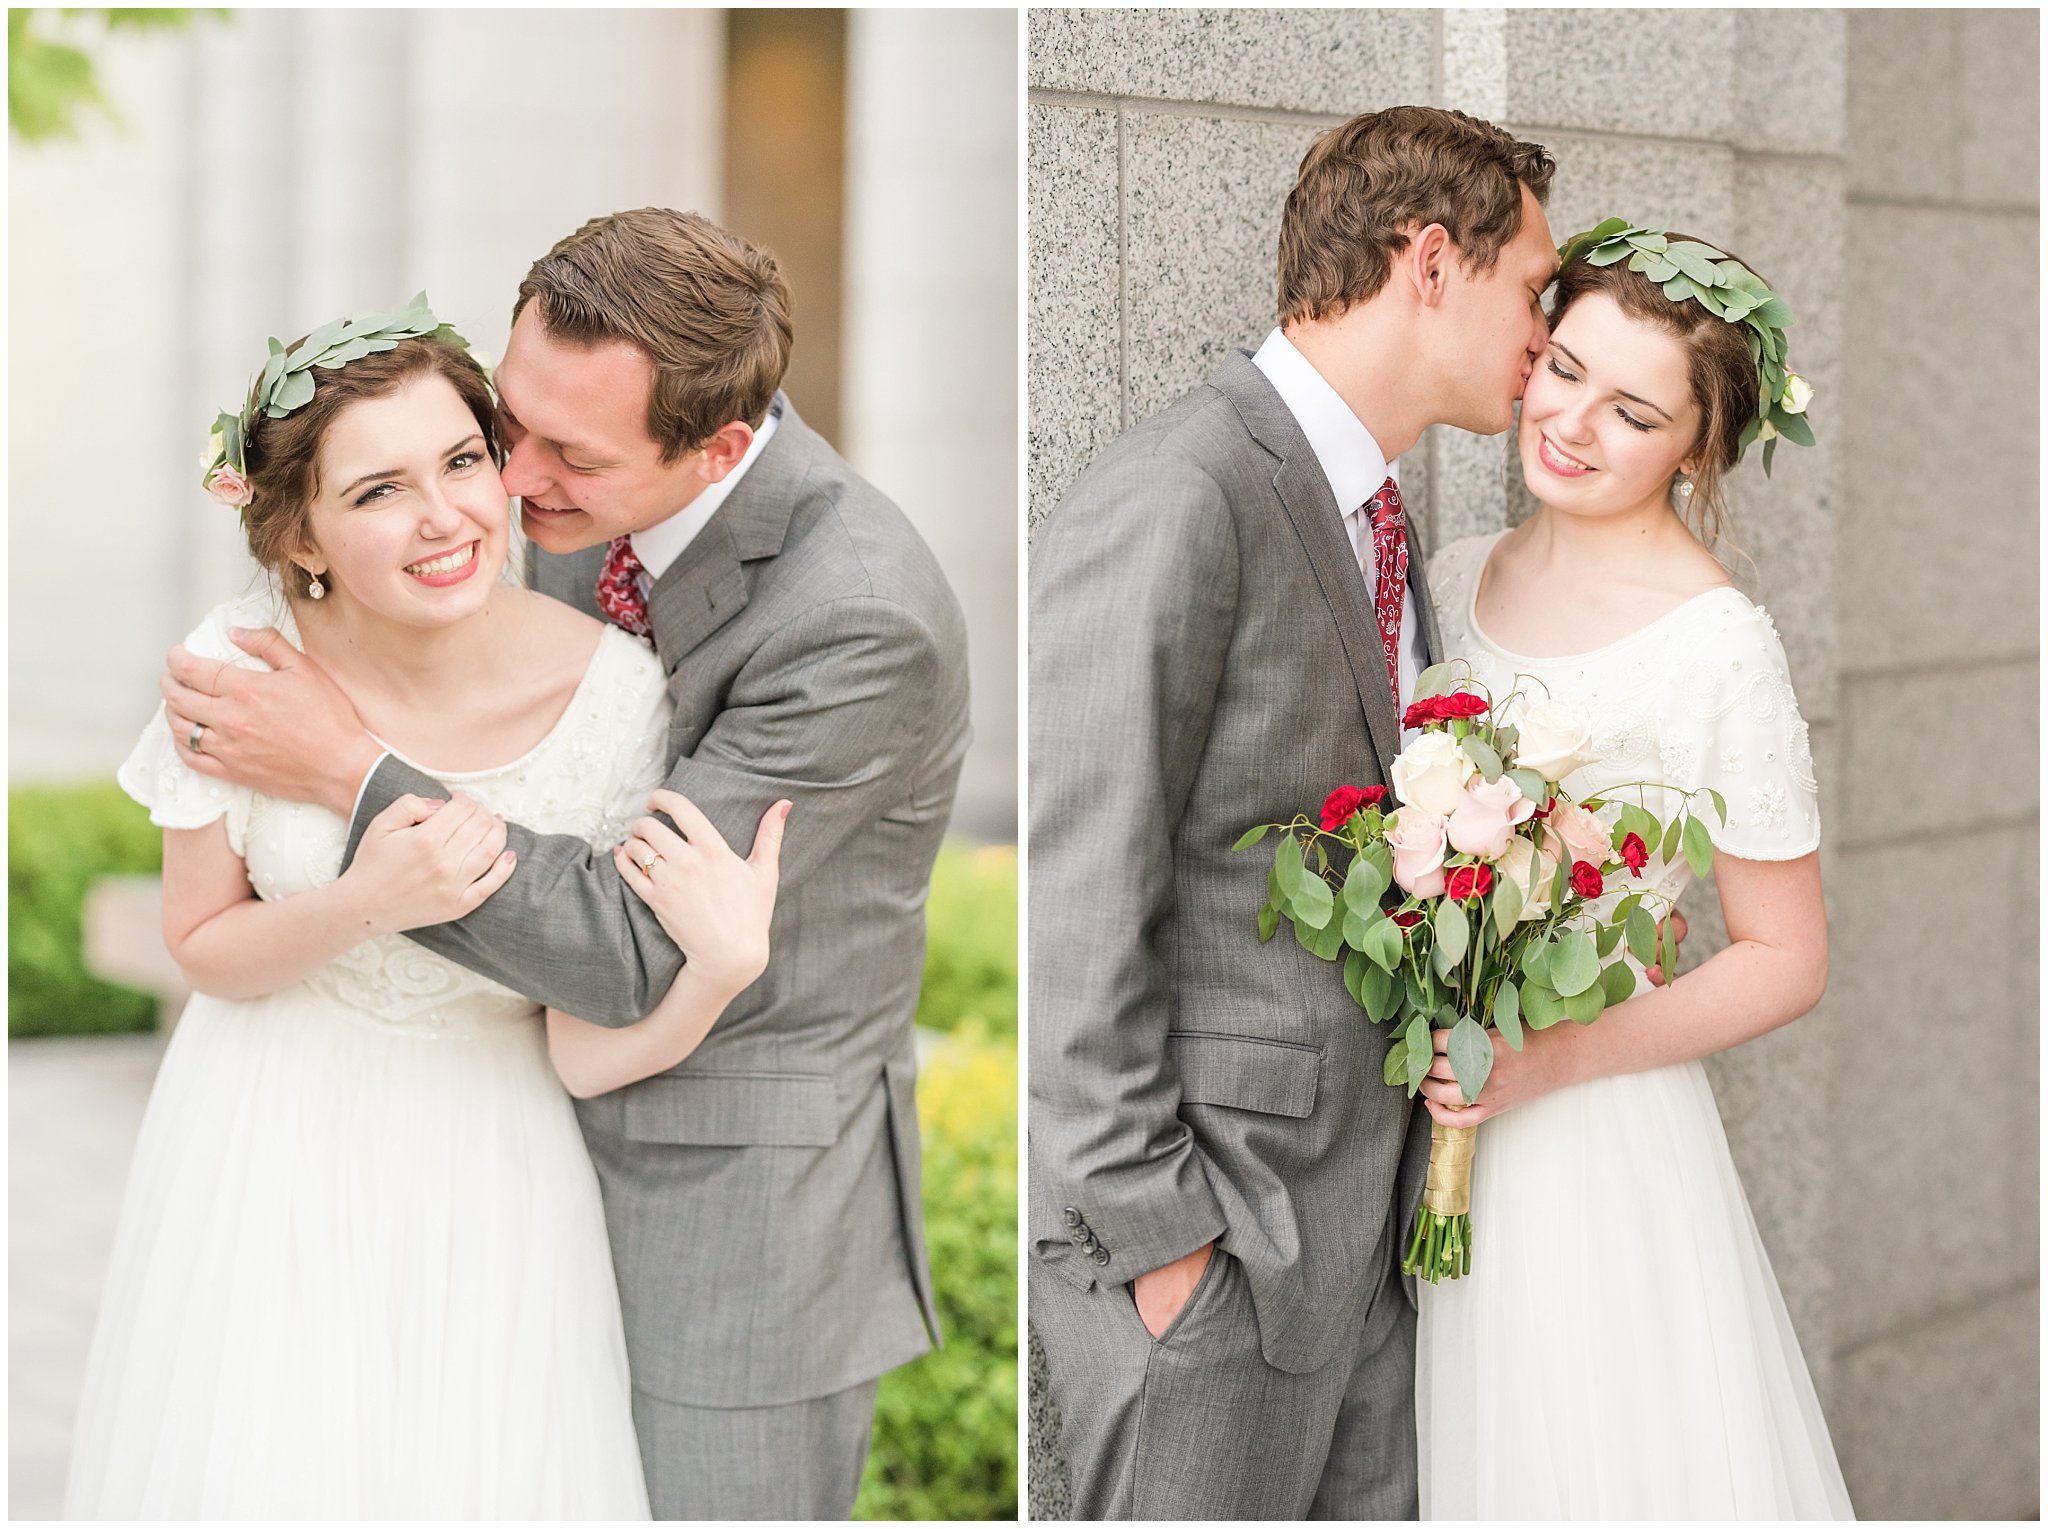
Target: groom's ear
727	445
1425	262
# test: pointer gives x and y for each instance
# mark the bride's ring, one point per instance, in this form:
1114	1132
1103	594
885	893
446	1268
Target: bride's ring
647	866
192	738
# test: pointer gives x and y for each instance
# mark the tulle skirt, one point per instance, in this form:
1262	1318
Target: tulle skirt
1620	1348
361	1272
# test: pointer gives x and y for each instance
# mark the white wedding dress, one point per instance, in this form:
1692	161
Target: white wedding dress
1620	1348
361	1269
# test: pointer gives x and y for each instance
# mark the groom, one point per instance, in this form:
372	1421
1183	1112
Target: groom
763	1197
1228	615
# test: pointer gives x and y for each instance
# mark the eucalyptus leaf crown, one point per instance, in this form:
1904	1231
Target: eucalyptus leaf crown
287	383
1690	271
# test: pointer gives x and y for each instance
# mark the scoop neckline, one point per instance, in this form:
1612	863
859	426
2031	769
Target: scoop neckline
1472	616
290	631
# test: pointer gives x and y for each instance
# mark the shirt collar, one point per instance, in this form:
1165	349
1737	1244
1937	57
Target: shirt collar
662	543
1350	458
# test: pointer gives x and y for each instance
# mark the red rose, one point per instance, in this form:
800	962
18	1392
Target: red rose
1586	878
1635	854
1468	881
1406	920
1462	704
1339	805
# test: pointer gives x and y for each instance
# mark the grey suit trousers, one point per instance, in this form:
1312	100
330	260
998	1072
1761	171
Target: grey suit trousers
1195	1424
704	1463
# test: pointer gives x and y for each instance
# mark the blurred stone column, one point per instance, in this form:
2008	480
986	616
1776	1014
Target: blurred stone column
1937	859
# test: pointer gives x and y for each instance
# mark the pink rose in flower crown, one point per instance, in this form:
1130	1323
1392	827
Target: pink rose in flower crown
1584	836
229	487
1417	839
1486	819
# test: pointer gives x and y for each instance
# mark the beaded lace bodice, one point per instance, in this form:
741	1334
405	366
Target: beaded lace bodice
1700	697
590	776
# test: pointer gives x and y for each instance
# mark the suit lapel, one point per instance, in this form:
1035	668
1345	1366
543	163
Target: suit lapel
1305	496
707	586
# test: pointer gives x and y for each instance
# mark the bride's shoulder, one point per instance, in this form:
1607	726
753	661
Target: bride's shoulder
1454	565
257	607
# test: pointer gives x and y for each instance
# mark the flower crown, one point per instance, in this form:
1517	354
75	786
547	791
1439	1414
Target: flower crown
1730	291
287	384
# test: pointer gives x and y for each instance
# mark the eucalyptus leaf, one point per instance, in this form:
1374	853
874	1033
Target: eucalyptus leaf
1609	255
1363	885
1421	1051
1383	945
1395	1068
1289	867
1269	923
1536	960
1355	966
1251	836
1453	935
1356	930
1669	849
1533	785
1379	992
1323	942
1795	429
1699	849
1471	1054
1435	681
294	391
1507	904
1617	982
1541	1007
1642	935
1605	941
1584	1008
1481	754
1574	966
1507	1012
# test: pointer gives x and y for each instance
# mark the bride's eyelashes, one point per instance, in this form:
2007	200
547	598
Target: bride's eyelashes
460	463
1558	371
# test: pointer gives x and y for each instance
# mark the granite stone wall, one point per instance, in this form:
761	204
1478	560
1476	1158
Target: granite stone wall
1161	146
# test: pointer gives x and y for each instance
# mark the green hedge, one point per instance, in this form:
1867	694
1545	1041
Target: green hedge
945	1442
61	839
970	963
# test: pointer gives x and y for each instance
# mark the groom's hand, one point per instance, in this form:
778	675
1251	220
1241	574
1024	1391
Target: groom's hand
1161	1294
287	732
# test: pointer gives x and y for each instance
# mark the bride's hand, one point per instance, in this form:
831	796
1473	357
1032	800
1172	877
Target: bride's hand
714	905
1517	1077
425	862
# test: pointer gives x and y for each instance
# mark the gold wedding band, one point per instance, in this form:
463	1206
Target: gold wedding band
192	738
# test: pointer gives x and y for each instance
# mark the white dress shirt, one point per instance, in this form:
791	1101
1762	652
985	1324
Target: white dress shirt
1355	467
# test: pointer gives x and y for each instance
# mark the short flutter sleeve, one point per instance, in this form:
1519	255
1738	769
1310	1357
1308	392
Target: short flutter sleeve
1733	724
155	773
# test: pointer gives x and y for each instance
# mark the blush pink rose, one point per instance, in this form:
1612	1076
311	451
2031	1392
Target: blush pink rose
1584	836
230	487
1486	819
1417	840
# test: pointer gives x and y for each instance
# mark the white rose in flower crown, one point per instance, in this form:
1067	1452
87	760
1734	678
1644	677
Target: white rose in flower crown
1485	820
1552	739
1514	865
1431	774
1798	394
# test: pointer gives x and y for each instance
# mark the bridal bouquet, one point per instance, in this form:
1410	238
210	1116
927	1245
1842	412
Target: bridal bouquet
1474	904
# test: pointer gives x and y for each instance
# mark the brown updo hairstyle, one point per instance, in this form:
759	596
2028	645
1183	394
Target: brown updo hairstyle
1718	366
283	455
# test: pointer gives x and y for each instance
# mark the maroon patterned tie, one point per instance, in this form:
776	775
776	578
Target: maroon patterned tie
618	588
1390	575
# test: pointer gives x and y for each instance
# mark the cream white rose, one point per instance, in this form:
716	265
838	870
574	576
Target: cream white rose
1514	865
1798	394
1431	774
1553	740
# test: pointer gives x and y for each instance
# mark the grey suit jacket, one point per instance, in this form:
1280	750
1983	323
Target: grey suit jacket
1204	658
764	1196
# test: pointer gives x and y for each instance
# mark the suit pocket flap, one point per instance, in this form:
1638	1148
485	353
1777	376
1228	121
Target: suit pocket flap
735	1109
1271	1077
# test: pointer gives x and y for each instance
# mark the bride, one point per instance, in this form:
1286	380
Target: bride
1578	1371
361	1269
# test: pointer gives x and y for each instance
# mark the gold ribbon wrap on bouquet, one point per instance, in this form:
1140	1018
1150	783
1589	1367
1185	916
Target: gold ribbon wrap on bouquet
1448	1190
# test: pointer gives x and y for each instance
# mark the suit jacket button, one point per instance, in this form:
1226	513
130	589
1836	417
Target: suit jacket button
1078	1238
1073	1216
1100	1256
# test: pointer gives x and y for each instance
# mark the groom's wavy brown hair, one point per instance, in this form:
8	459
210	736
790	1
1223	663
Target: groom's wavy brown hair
710	310
1364	183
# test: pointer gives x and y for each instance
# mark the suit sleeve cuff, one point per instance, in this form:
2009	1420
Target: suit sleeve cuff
364	789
